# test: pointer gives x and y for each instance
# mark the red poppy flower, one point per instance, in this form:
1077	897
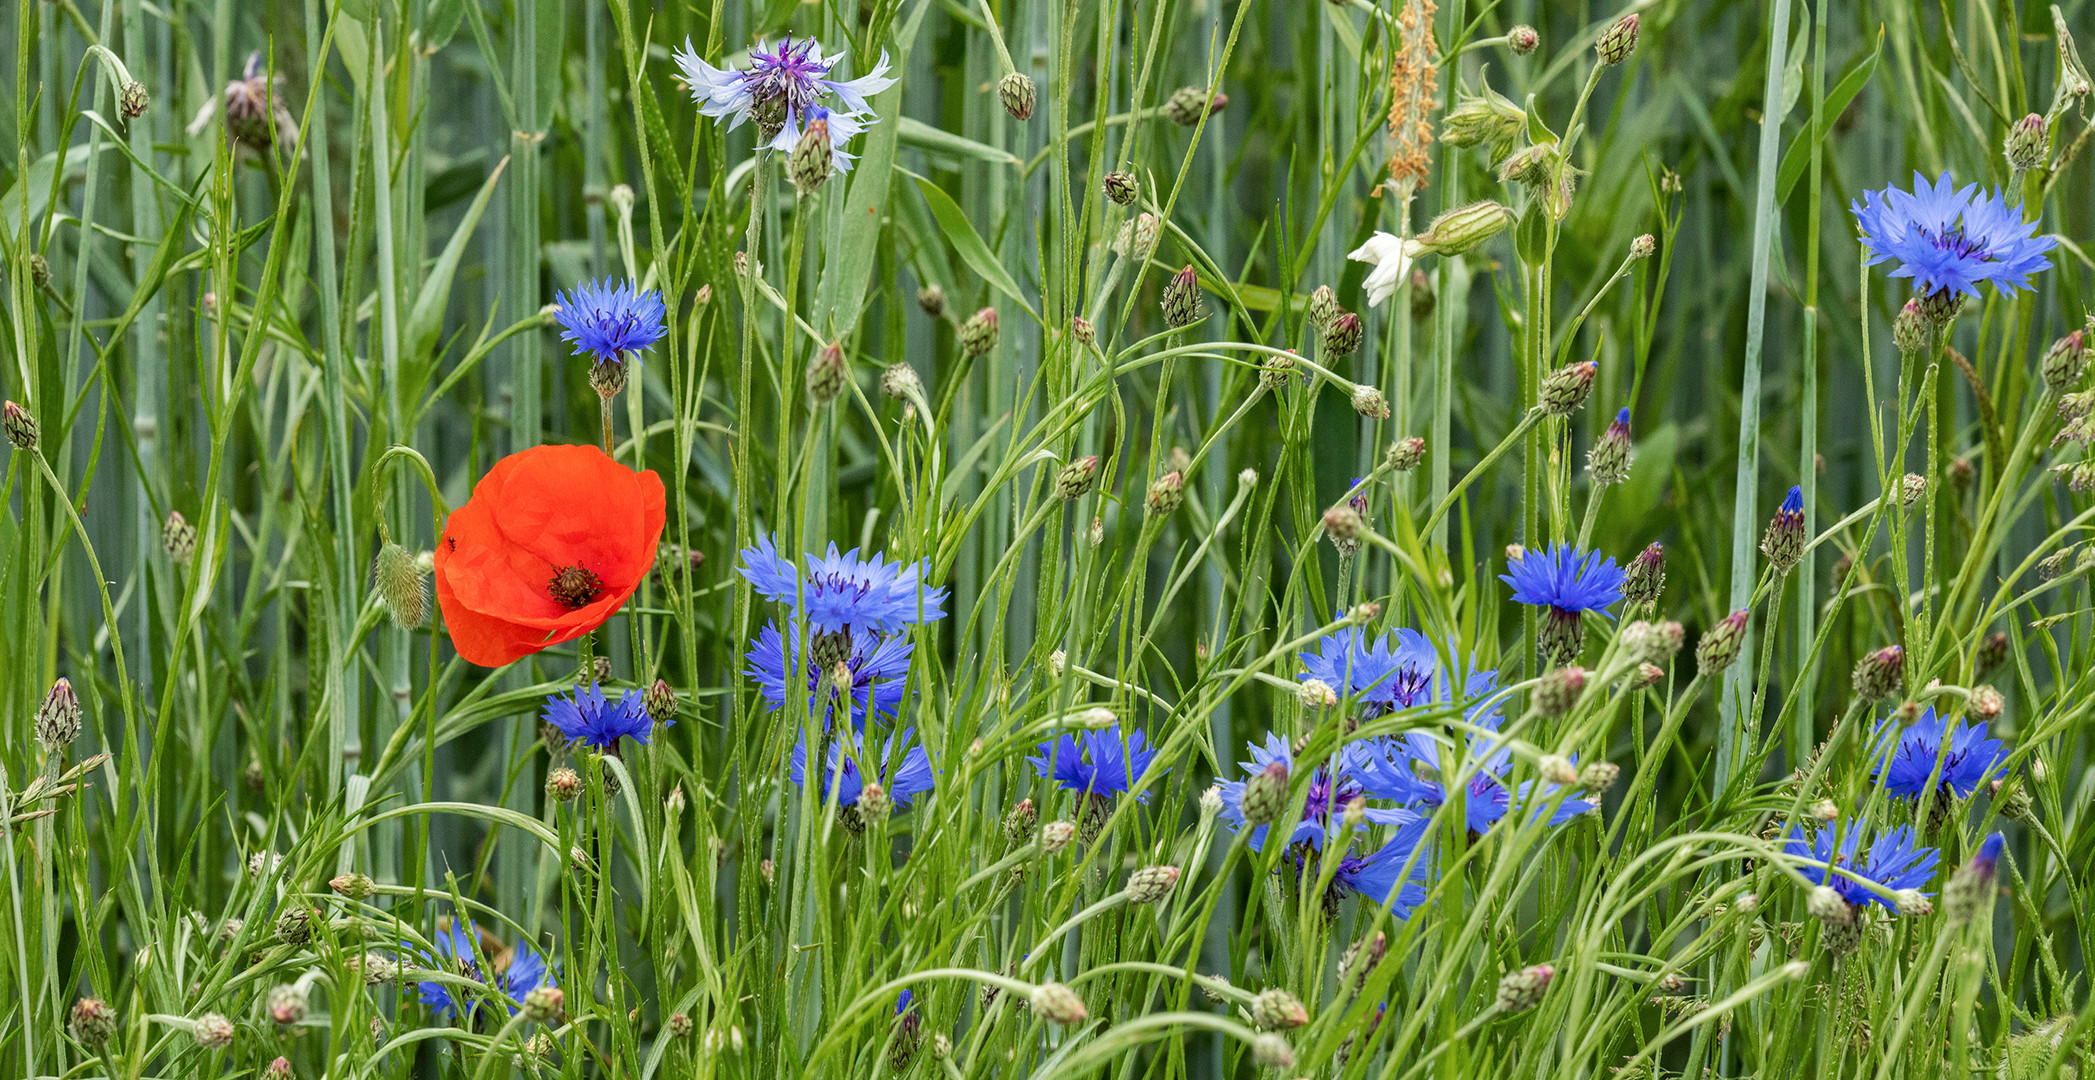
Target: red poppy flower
552	543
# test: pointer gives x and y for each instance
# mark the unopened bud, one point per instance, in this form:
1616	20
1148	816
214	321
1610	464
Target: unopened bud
544	1004
932	298
133	100
1608	461
1323	307
1166	492
1523	40
978	335
1971	888
1464	228
396	575
899	380
92	1022
1360	959
1343	523
1121	187
2024	146
1188	104
1558	770
1275	370
1598	776
1082	331
1617	42
1783	543
1277	1010
1018	95
1720	644
1910	331
1825	905
1913	487
1879	674
1020	821
2064	362
58	717
1058	1004
1644	246
1645	577
1558	691
873	805
810	163
1992	652
178	537
21	427
1341	335
1986	704
354	886
1566	388
1076	477
563	784
1368	401
1152	883
1272	1051
212	1031
1266	794
287	1005
826	374
1182	302
1824	810
1315	694
1522	990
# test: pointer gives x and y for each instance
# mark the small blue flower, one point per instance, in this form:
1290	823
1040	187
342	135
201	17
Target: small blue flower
1895	861
458	951
1100	762
1950	240
902	768
1565	579
610	321
1334	784
1907	755
877	665
1379	875
1410	768
1793	503
590	718
1988	856
845	592
786	84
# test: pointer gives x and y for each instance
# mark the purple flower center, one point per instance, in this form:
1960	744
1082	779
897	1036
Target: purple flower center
1411	685
788	73
1956	243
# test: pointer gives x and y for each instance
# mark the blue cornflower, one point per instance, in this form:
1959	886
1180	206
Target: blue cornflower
877	664
458	951
1401	670
903	769
784	87
1410	768
1379	875
609	321
1099	762
1948	241
1565	578
845	593
1334	784
1907	755
1895	861
591	718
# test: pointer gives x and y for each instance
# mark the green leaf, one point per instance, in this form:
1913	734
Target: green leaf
552	25
1799	156
1531	236
38	187
966	240
923	136
428	315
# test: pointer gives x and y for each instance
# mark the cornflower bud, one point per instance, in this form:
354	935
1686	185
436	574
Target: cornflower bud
397	578
932	298
1017	93
1720	644
2055	565
608	378
1277	1010
1522	990
133	100
1911	331
1076	477
544	1004
1368	401
1913	902
680	1025
1266	795
978	335
1972	885
660	701
287	1005
1559	689
1879	674
1121	187
1058	1004
1783	543
826	374
873	805
1522	39
2024	146
39	271
58	718
1608	461
1272	1052
1598	776
295	926
1137	237
1405	454
1182	306
1275	370
809	165
92	1022
21	427
563	784
1992	652
377	970
1644	246
2064	361
1166	492
1343	524
1323	307
1080	328
1913	487
178	537
1152	883
1342	335
1824	810
899	380
1961	475
212	1031
1825	905
1986	704
1188	104
353	885
1464	228
1360	959
1565	389
1647	674
1019	822
1558	770
1617	42
1363	614
1645	577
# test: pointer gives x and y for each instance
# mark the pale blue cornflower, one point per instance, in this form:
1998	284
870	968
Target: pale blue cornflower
1376	873
845	593
782	89
1948	241
458	952
877	663
609	320
1907	755
1895	861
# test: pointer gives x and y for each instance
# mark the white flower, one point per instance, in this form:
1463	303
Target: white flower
1391	258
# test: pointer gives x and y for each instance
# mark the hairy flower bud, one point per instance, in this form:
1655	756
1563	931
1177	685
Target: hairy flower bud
826	374
1992	652
178	537
1405	454
1617	42
1824	904
1645	577
1986	704
1343	524
1058	1004
1277	1010
1488	119
1910	331
1188	104
1266	795
1783	543
1315	694
1275	371
1368	401
1077	477
1522	990
396	575
1608	461
2064	362
544	1004
1166	492
1879	674
1559	690
295	925
287	1005
1121	187
92	1022
2025	144
1720	644
1598	776
932	298
1323	307
1557	769
1056	835
1565	389
212	1031
1532	165
978	335
354	886
1523	39
1644	246
874	803
133	100
899	380
1342	335
1182	304
1464	228
563	784
1020	821
21	427
1018	95
1137	237
810	163
58	717
1152	883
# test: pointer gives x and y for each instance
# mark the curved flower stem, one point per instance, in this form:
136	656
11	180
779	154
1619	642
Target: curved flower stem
1527	422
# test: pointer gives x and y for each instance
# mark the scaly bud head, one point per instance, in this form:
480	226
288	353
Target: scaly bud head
1277	1010
1058	1004
2025	144
21	427
1077	477
1272	1051
810	162
1152	883
287	1005
932	298
544	1004
1644	246
1341	335
178	537
1523	39
1368	401
1879	674
58	717
212	1031
1598	776
1911	331
1557	769
1080	328
1360	959
1720	644
1121	187
1783	543
1645	577
1971	888
660	701
1056	835
899	380
1986	704
1558	692
1608	462
1992	652
1018	95
1323	307
1565	389
563	784
1617	42
1188	104
1266	795
354	886
1182	303
1405	454
2064	362
1343	523
134	100
826	374
1275	371
1020	821
1522	990
92	1022
978	335
1166	492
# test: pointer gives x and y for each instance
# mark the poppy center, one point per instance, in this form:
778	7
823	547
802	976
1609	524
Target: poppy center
575	586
